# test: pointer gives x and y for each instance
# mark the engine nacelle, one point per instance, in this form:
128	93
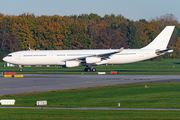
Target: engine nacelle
93	60
72	63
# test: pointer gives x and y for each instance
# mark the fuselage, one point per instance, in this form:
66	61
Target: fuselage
58	57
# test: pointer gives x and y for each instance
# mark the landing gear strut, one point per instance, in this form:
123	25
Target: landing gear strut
20	68
90	69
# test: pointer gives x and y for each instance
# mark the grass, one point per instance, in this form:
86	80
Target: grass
162	65
86	114
158	95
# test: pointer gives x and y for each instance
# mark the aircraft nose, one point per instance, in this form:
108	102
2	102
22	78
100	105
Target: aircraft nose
4	59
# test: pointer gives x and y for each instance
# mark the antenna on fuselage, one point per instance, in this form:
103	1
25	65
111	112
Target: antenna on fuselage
29	44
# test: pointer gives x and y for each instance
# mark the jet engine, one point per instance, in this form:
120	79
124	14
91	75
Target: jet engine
93	60
72	63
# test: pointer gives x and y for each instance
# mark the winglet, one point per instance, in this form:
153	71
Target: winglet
120	50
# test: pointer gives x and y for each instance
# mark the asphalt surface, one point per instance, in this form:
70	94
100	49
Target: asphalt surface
36	83
98	108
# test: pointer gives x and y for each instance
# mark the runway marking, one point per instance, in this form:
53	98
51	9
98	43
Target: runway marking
89	81
128	79
5	88
64	83
35	86
113	79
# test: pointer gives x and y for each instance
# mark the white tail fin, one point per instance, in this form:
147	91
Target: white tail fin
162	40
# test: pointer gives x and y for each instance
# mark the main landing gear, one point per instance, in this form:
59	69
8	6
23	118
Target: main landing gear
90	69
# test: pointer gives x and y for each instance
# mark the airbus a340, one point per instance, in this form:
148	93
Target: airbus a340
93	57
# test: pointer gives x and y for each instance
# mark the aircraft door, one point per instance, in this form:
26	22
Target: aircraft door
51	55
141	53
19	56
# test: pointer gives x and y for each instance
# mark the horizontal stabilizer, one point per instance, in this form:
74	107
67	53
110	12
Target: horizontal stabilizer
161	52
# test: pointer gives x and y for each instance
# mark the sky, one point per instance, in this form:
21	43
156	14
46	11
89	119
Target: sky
131	9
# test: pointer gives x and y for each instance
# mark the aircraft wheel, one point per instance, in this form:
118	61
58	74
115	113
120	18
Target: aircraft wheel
94	70
88	70
20	69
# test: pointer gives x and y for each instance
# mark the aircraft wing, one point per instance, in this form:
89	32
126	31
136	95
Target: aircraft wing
103	55
106	55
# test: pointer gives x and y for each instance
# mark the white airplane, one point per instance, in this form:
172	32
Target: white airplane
90	58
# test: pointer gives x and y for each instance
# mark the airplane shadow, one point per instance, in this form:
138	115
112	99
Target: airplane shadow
176	62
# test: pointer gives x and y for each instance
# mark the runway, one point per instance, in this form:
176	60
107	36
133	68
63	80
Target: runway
36	82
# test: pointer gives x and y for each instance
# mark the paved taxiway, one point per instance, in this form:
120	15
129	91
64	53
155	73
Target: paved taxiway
35	83
97	108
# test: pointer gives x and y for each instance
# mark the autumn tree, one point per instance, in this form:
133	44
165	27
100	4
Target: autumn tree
85	31
133	37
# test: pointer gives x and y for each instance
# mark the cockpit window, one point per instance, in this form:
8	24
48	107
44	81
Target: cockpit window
9	55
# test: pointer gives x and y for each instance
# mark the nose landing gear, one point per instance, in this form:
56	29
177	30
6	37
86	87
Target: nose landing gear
20	68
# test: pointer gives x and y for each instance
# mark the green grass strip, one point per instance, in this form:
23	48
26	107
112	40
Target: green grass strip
86	114
162	65
157	95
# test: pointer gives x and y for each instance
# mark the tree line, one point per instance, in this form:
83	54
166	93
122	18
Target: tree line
82	32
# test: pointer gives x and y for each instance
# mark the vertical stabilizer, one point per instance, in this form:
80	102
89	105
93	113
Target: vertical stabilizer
162	40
